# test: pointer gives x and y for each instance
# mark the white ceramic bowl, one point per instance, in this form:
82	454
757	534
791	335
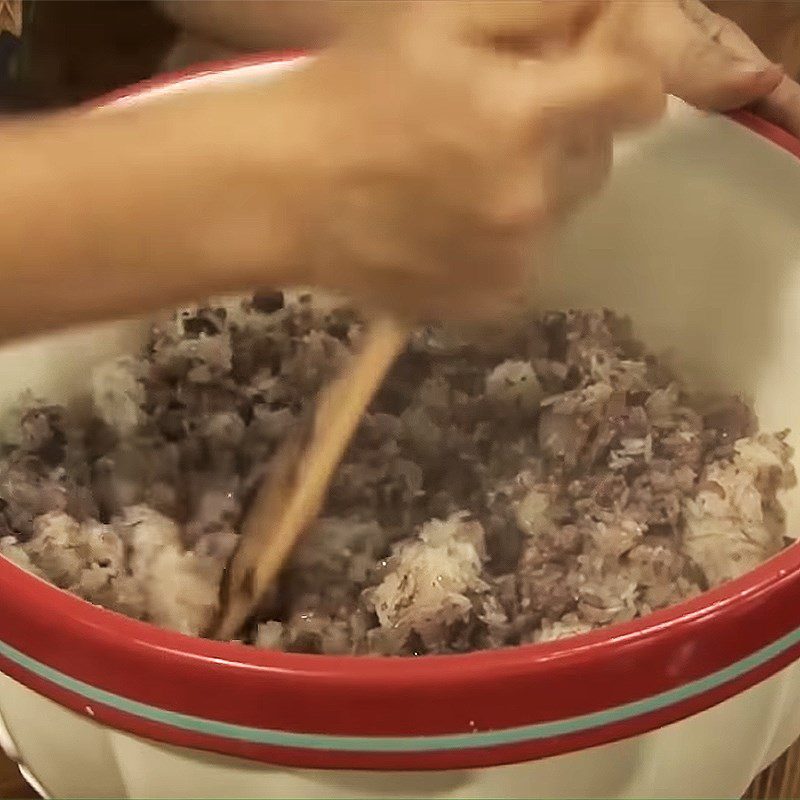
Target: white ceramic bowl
698	238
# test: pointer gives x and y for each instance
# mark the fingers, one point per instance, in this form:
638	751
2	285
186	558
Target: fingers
782	106
554	126
608	91
580	169
616	91
707	60
535	27
529	28
721	84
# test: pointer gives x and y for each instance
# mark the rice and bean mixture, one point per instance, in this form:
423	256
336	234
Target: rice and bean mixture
537	484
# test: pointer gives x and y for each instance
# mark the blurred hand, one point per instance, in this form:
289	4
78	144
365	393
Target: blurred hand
704	58
782	106
454	136
774	26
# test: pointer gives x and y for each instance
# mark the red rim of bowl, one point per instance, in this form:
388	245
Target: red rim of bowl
433	712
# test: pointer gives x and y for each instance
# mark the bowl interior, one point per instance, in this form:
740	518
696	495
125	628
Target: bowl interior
696	238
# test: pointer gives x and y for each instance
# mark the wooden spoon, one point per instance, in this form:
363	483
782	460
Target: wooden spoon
293	492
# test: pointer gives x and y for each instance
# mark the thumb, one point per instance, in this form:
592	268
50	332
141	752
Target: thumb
708	61
782	106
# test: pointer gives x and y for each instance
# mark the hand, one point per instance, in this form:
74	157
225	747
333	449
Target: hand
416	166
445	157
705	58
782	106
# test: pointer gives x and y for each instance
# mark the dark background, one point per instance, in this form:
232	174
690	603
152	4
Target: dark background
73	50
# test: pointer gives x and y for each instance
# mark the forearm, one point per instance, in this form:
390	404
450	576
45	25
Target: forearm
122	213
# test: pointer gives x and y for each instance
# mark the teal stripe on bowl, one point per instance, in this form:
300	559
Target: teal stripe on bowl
405	744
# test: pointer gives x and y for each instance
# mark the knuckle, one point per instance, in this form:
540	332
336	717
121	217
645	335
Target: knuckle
515	217
515	210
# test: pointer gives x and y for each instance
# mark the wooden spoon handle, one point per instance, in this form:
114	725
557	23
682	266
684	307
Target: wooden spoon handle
292	495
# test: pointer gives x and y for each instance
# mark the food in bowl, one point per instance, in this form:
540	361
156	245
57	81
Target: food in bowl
537	484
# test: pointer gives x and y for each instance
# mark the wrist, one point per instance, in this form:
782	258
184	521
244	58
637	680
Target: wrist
258	161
